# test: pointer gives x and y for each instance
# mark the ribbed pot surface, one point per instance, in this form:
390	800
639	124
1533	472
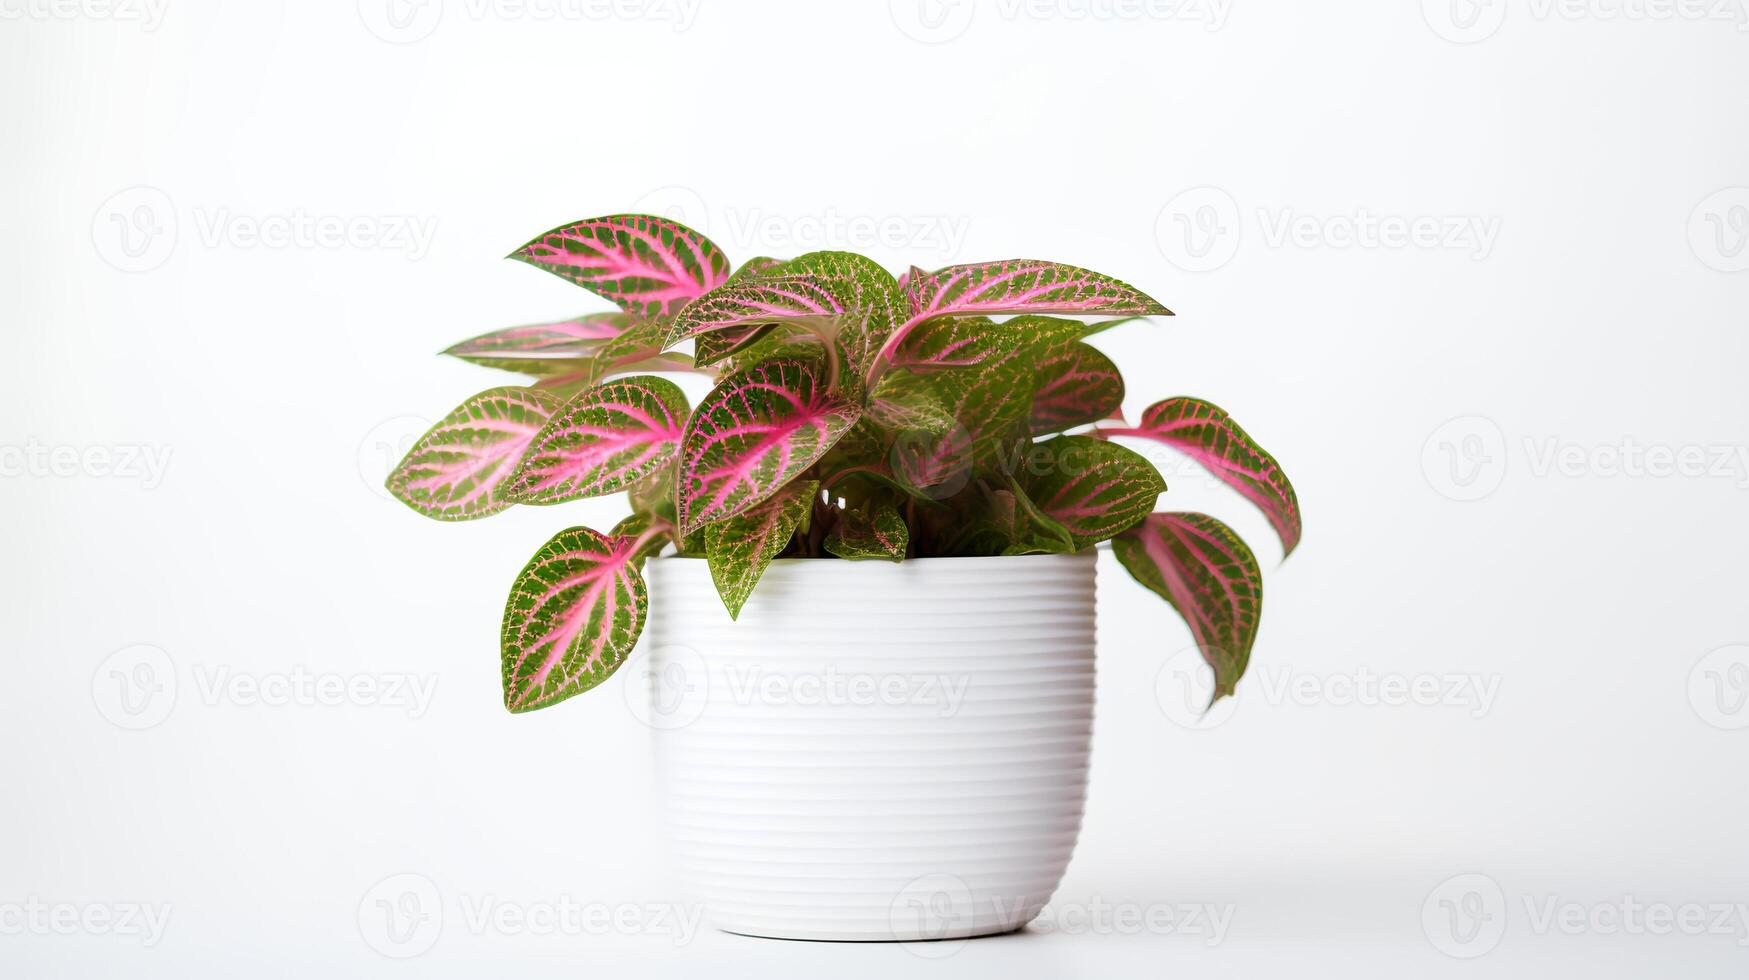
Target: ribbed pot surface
875	751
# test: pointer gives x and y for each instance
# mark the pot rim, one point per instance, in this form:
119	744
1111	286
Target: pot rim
1084	554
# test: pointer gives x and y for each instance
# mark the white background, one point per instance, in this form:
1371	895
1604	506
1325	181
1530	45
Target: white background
1551	546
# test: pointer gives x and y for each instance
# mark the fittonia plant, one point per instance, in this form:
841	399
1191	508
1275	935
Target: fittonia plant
855	416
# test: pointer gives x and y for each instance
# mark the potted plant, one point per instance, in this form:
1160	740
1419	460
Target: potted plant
891	742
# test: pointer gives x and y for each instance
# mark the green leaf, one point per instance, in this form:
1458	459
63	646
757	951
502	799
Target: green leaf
1208	435
604	440
739	548
756	431
545	348
911	403
877	531
1077	385
629	530
1210	576
1093	488
459	470
573	616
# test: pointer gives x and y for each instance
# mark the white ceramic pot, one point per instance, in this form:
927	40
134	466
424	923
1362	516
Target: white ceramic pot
874	751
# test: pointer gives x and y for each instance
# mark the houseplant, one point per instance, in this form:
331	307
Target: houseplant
856	419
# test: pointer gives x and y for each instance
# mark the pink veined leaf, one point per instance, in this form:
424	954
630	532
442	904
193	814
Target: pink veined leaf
754	302
604	440
644	264
756	431
573	616
739	549
1093	488
1210	576
948	343
1076	386
544	348
1014	286
1209	436
1025	286
457	471
880	534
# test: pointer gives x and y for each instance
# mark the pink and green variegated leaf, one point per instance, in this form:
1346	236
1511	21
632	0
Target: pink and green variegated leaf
907	402
606	439
572	618
637	350
1077	385
990	404
756	431
739	548
1200	566
972	341
871	300
544	348
458	470
1024	286
878	533
753	302
1209	436
644	264
759	265
1094	488
643	533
